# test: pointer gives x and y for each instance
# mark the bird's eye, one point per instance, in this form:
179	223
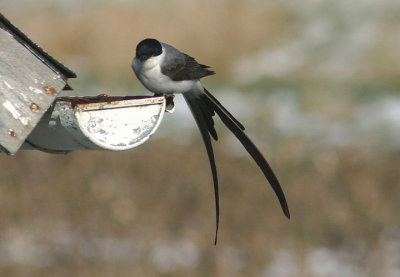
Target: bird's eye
143	57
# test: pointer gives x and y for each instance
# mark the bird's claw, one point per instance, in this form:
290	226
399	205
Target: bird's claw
170	105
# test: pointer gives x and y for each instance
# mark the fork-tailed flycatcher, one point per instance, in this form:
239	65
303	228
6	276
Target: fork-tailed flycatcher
165	70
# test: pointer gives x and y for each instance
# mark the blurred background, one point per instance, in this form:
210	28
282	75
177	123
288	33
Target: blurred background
316	83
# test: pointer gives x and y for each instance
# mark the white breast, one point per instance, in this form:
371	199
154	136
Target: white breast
149	73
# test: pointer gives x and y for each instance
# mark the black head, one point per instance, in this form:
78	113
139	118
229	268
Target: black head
148	48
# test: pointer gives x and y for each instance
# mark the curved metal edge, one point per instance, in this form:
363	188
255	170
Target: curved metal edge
80	115
63	129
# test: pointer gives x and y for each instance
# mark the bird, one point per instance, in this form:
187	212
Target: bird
164	70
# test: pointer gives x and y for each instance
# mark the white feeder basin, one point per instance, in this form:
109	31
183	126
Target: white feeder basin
102	123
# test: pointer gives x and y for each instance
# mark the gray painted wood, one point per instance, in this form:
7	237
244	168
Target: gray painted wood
27	89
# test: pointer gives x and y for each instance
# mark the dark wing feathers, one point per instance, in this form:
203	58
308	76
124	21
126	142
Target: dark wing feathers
186	69
179	66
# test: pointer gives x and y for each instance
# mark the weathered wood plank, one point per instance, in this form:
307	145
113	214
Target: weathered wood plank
27	89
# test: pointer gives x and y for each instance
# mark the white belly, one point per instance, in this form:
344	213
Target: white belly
153	79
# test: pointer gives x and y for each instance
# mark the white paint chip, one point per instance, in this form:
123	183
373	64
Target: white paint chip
15	113
8	85
35	90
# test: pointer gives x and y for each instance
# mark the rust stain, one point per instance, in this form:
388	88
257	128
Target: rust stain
102	99
49	90
34	107
12	133
87	100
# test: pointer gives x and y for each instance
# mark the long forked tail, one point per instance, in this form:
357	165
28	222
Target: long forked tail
203	116
203	106
237	129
